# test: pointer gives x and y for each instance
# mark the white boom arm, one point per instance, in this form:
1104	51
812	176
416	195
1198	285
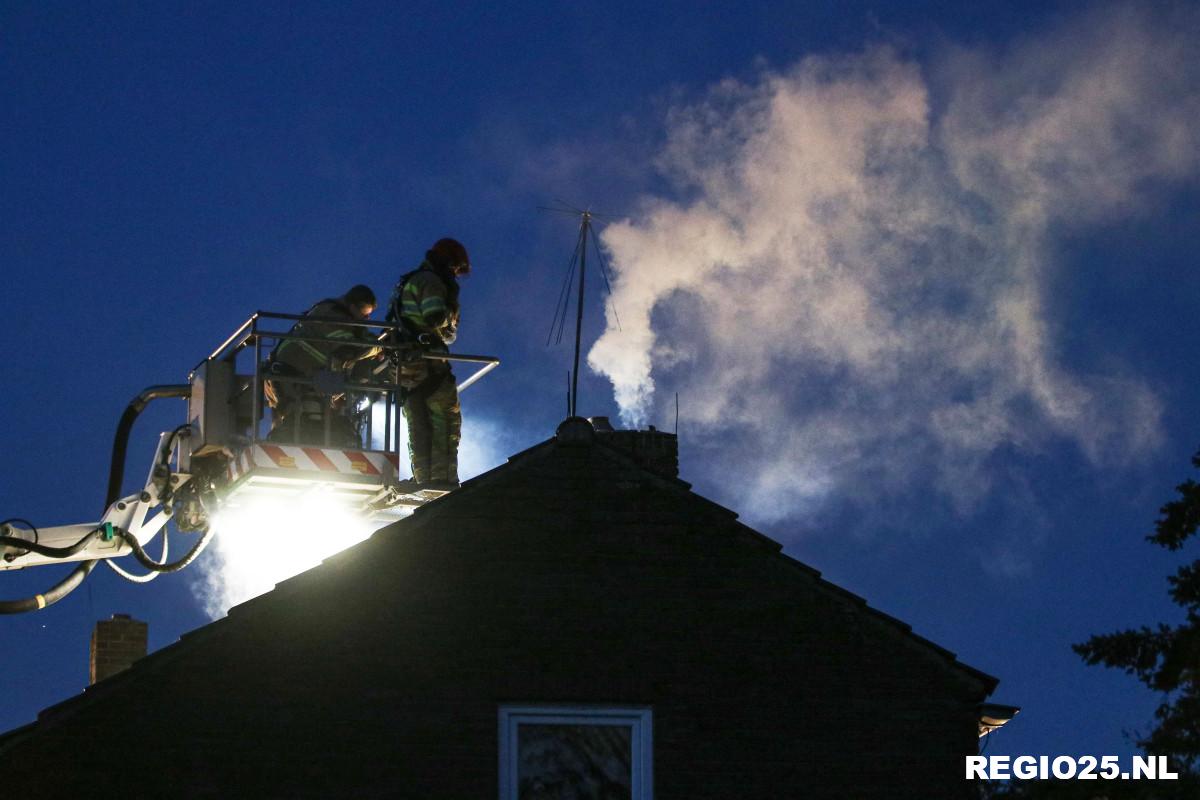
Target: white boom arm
135	514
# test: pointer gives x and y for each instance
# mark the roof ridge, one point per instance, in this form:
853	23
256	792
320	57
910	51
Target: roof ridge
422	517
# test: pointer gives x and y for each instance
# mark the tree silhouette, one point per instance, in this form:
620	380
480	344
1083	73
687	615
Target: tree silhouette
1166	658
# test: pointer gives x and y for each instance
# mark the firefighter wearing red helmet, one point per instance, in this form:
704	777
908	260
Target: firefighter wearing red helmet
425	304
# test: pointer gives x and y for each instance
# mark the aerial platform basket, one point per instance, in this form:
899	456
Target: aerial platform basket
367	479
232	442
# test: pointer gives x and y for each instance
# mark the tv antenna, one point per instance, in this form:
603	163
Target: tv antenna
586	231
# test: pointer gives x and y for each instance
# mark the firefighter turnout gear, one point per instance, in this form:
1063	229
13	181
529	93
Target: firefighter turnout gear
425	304
302	370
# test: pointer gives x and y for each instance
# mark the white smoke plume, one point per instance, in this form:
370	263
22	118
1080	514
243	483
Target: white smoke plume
855	285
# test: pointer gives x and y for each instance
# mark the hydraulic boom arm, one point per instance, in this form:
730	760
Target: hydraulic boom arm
130	520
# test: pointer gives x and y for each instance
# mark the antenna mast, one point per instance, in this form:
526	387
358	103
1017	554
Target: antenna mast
564	299
584	227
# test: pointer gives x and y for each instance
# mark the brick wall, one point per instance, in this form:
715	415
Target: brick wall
652	449
116	644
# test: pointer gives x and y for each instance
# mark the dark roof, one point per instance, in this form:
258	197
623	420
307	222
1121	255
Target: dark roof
532	484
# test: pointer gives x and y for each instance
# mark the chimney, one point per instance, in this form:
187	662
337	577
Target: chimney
116	644
651	449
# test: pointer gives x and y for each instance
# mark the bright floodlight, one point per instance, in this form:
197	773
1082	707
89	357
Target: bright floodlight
270	539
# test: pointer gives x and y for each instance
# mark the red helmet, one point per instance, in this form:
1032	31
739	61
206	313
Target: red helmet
450	253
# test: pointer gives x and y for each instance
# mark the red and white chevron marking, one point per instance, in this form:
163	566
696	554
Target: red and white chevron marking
314	459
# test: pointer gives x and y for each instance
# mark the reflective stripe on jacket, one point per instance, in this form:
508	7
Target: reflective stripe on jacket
422	302
308	357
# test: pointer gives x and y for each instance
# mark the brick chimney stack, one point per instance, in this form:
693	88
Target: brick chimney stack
116	644
652	449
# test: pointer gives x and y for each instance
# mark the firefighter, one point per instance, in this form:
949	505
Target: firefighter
296	389
425	304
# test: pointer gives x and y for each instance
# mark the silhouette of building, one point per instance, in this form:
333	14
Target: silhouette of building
573	623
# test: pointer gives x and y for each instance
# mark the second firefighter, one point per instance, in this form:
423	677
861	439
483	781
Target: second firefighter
425	304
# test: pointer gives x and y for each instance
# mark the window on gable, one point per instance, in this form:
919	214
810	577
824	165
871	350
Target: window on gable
575	753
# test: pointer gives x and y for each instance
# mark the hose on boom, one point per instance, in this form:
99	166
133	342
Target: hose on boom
116	473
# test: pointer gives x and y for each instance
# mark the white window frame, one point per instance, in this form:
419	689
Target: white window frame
638	719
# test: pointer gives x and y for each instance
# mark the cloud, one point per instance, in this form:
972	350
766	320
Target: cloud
850	284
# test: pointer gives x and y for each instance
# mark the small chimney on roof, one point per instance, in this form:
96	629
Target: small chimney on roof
651	448
116	644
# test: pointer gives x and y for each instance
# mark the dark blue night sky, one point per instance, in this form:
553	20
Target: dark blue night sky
922	274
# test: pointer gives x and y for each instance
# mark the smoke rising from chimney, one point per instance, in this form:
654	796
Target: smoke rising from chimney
857	278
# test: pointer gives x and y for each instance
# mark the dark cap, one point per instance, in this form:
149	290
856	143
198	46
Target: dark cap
360	295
